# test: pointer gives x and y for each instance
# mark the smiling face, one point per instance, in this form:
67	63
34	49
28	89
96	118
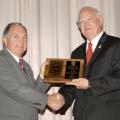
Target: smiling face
16	40
90	23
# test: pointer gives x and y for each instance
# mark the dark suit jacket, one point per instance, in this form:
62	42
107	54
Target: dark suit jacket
20	95
102	100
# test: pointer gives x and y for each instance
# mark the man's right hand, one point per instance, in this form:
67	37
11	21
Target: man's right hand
55	101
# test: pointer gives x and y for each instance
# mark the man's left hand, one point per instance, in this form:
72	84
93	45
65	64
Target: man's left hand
80	83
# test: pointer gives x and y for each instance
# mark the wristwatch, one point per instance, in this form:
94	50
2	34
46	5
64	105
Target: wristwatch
88	86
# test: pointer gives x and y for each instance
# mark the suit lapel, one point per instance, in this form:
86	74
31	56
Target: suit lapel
21	75
84	52
98	49
96	53
29	74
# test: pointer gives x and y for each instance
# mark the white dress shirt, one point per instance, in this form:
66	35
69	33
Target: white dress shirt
94	41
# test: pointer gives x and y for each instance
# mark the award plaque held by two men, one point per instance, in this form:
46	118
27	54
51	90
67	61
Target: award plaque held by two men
63	70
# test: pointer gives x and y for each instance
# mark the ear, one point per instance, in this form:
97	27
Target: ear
101	20
4	42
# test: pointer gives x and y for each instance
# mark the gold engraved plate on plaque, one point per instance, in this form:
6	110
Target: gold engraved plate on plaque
63	70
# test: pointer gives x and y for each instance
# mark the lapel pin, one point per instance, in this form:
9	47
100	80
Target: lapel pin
99	46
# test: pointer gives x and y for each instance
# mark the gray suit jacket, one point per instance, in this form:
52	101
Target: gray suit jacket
20	95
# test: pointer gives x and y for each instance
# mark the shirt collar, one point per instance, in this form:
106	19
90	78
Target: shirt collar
15	57
95	41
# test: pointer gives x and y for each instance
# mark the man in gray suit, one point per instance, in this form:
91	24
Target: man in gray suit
20	95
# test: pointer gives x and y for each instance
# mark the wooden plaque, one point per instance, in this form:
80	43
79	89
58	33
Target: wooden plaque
63	70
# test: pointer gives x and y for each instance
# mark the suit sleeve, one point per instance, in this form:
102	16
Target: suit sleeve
19	90
69	94
40	85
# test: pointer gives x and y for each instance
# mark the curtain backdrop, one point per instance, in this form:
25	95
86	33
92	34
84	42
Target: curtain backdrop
53	32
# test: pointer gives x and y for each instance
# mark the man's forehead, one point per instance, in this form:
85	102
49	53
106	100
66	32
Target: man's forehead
86	11
17	28
87	14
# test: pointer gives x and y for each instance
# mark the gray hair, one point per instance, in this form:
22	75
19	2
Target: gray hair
97	12
7	29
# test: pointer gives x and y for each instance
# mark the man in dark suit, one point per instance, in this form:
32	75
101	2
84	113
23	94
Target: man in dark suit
97	94
20	95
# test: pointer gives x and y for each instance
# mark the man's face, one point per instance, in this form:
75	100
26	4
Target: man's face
16	40
90	24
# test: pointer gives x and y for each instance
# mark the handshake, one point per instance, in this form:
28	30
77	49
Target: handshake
55	101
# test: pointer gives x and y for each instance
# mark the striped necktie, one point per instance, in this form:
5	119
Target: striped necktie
89	52
21	64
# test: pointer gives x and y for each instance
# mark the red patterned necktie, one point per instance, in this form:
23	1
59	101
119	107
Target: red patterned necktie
21	64
89	52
